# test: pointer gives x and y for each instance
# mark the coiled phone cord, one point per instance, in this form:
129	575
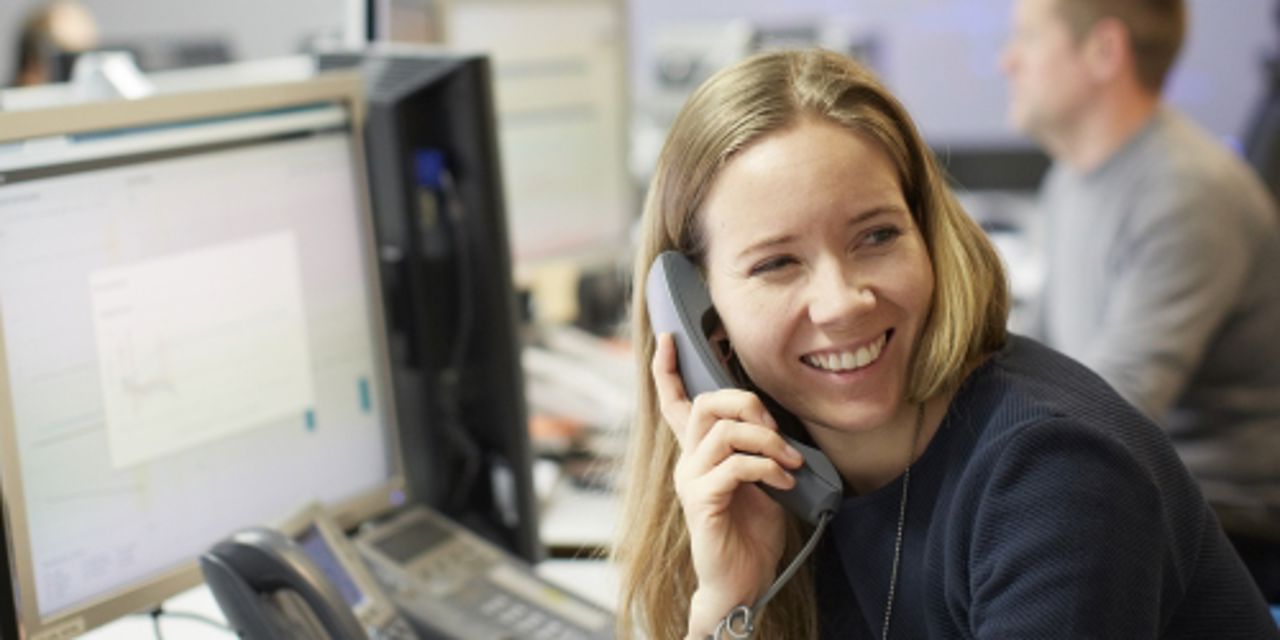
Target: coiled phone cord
740	623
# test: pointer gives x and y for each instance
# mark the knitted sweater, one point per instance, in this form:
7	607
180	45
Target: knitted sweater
1044	507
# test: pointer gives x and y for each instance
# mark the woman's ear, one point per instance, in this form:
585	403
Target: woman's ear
719	340
723	347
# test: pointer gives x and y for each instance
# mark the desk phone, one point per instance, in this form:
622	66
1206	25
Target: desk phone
418	576
437	571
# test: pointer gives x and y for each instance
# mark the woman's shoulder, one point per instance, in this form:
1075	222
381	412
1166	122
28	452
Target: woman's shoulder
1026	381
1042	422
1029	398
1059	493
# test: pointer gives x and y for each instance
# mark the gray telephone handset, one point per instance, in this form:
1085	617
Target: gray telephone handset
679	304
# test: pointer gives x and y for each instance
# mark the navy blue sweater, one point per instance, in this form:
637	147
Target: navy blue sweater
1045	507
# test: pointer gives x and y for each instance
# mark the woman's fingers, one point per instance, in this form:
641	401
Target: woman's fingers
734	453
673	402
729	404
690	419
729	437
719	484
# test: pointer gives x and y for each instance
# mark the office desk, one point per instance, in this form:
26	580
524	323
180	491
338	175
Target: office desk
576	522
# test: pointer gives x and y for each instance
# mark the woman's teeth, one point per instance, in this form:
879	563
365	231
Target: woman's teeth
842	361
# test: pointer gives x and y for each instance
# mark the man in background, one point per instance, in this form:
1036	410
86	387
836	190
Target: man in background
51	30
1162	250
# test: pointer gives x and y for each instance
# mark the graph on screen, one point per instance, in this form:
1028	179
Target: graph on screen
187	344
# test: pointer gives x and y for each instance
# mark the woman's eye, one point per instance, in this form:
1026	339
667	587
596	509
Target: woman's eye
771	265
881	236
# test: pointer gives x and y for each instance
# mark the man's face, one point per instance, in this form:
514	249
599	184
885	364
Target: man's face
1049	81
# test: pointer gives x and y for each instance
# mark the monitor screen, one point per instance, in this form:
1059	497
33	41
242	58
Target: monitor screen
190	334
559	97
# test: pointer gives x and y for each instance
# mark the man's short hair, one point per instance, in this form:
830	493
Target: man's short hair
1156	29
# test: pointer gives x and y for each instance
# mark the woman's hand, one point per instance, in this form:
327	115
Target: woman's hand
728	442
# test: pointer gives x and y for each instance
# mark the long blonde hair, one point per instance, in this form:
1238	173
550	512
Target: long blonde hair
736	107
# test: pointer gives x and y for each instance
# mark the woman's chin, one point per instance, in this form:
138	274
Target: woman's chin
852	421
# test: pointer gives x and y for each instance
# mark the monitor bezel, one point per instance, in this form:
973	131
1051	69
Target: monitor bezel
343	88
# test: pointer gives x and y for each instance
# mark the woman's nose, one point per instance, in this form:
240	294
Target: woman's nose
837	295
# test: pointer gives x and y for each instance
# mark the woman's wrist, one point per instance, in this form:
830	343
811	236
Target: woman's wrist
707	608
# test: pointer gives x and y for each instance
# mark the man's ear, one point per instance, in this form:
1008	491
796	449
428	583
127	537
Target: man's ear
1108	50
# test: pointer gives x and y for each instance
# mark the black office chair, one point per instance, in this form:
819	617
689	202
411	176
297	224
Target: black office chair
1262	135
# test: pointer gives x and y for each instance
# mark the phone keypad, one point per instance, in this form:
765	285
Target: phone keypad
398	629
448	569
463	587
526	621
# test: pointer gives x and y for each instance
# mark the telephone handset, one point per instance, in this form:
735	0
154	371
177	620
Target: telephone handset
303	581
679	304
268	588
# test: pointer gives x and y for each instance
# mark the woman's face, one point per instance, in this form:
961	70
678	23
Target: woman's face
819	274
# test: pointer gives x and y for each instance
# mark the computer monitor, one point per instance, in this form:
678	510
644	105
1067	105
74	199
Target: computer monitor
440	211
191	337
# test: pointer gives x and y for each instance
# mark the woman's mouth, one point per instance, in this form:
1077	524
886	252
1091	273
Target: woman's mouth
850	360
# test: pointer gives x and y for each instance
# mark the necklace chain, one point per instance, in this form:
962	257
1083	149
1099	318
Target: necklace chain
902	521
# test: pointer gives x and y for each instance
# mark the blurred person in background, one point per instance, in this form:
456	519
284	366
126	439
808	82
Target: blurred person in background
1163	250
50	31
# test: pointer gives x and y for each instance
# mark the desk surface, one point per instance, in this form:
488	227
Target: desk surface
577	522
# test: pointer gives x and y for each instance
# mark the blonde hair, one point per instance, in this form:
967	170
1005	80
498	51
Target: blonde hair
1156	29
738	106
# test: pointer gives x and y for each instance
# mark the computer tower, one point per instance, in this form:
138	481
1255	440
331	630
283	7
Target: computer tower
434	176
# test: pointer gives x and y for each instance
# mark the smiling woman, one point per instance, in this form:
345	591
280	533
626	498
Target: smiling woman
811	272
991	485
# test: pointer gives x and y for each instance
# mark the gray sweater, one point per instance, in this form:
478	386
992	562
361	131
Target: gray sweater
1164	277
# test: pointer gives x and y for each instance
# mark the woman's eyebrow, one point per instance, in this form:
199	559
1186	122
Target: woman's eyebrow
767	243
881	210
770	242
